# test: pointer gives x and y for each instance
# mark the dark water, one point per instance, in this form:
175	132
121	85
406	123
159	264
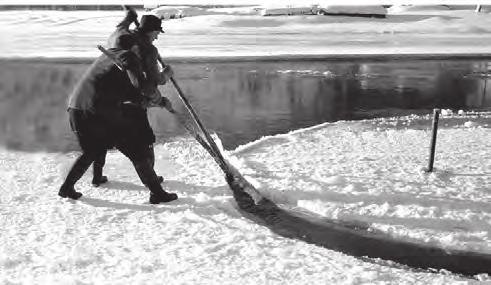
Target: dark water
243	101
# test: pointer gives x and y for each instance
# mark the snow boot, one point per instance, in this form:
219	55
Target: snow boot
97	181
97	167
162	198
159	195
69	192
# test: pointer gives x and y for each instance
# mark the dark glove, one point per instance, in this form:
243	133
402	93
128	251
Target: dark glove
131	14
166	74
165	103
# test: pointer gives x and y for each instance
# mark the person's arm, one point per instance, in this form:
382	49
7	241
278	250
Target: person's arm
150	69
129	18
122	28
153	78
150	66
133	69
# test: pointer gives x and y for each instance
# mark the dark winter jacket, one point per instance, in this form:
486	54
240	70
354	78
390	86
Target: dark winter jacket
112	100
104	87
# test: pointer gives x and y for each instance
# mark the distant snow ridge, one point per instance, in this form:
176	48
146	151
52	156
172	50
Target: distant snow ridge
275	9
307	72
369	11
177	12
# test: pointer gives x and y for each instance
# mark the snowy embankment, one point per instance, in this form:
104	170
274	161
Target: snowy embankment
367	171
231	32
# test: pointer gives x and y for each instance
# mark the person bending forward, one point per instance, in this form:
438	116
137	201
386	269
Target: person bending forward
103	112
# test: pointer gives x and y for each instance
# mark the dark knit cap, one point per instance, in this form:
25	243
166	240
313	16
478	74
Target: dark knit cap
150	23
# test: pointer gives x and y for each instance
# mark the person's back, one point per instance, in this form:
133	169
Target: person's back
114	86
103	86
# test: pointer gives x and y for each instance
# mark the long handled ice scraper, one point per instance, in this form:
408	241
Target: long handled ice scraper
215	151
235	180
207	142
121	67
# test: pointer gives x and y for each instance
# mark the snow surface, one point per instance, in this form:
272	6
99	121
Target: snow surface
365	171
243	32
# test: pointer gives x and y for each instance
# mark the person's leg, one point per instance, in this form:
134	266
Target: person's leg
142	129
83	125
150	154
148	136
97	167
77	170
138	156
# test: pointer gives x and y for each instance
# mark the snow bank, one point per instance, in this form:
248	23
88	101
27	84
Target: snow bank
417	8
166	12
275	10
272	9
75	34
371	11
177	12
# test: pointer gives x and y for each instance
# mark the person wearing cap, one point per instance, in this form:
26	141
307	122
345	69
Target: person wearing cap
147	30
146	33
99	117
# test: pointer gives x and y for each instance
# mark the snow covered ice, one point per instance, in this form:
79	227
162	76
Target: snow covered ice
228	33
370	171
351	171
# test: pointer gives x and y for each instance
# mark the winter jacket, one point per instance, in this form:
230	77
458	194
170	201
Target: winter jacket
112	100
103	87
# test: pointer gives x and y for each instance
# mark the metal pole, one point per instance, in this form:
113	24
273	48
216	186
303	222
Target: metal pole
209	144
484	91
112	57
436	113
210	140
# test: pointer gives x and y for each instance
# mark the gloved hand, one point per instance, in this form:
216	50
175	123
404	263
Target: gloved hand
165	103
131	14
166	74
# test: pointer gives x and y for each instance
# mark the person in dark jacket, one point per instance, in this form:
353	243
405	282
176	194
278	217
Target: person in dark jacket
100	119
145	33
